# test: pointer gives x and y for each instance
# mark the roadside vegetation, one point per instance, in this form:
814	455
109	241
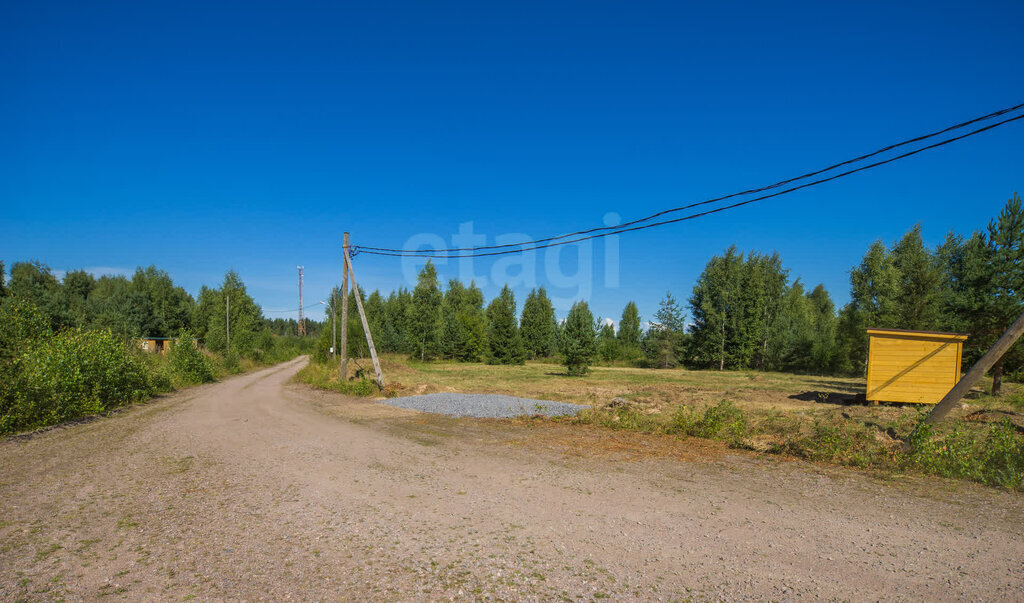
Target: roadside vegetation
988	452
70	348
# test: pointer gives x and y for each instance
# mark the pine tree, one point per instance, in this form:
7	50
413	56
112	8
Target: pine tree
982	283
424	314
664	342
630	333
579	343
670	316
505	343
629	325
1006	239
473	322
375	315
607	343
537	324
453	337
392	333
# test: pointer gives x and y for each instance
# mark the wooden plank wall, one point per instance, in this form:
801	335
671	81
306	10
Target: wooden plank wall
911	369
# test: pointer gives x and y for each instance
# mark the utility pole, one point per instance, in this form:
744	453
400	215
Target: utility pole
334	323
366	324
343	368
977	371
302	321
227	319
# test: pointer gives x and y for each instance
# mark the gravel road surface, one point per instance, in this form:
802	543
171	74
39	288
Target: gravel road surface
259	489
485	406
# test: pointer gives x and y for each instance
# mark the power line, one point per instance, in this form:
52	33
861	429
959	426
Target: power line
459	252
292	310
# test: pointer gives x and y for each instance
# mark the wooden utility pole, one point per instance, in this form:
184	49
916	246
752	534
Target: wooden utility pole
227	320
302	318
344	310
366	325
977	371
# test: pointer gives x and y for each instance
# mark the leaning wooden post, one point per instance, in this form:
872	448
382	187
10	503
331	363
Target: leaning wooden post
977	371
343	344
366	325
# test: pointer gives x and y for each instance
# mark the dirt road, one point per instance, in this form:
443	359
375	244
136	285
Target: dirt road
255	488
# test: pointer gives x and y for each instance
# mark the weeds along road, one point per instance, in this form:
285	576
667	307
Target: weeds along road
255	488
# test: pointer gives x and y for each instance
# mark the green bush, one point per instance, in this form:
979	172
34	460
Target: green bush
836	442
325	376
230	363
724	421
70	375
995	460
360	387
22	326
1004	456
187	363
322	347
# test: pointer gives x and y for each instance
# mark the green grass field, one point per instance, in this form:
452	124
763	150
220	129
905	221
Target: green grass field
811	417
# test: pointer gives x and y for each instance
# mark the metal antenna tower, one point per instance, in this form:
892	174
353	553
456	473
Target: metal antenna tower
302	321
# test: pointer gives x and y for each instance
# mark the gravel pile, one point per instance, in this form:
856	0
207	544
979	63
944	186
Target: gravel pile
488	406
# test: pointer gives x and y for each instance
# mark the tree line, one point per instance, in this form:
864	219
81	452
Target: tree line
149	304
68	346
744	312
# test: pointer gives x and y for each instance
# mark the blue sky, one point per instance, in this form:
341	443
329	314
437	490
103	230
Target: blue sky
206	136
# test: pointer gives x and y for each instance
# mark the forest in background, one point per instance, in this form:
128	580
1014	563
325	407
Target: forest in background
744	312
68	346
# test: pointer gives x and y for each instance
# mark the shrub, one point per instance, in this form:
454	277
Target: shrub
72	374
22	326
359	387
230	363
836	442
187	363
1003	463
724	421
995	460
325	376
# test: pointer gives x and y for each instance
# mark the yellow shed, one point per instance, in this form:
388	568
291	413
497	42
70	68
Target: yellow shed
912	366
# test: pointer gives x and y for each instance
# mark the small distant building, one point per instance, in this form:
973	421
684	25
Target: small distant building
912	366
160	345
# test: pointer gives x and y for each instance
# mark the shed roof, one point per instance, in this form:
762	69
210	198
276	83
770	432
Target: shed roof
909	334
